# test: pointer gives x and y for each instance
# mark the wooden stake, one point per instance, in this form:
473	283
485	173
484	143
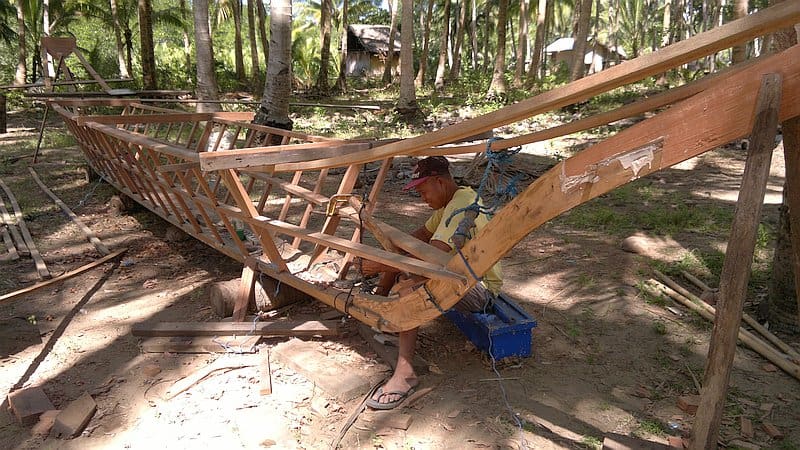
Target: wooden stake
86	231
736	268
63	277
245	290
41	267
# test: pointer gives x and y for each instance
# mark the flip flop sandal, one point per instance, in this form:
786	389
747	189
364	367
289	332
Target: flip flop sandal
375	404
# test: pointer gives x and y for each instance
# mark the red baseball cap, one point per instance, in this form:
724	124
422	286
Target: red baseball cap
426	168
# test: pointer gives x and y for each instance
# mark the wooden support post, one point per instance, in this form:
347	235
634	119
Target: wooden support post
3	128
791	153
246	291
736	268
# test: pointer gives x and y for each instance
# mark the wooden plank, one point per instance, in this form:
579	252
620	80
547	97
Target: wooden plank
86	231
143	119
273	155
279	328
41	267
245	293
164	168
73	419
306	194
64	276
785	14
18	239
401	262
736	268
200	344
28	404
13	255
138	139
791	152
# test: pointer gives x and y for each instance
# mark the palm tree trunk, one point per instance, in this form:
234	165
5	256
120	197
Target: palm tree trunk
426	38
274	109
473	33
387	69
442	66
538	42
22	55
128	33
187	42
238	52
148	52
326	9
262	30
204	49
255	77
498	88
341	80
461	30
740	51
407	103
579	47
123	69
522	46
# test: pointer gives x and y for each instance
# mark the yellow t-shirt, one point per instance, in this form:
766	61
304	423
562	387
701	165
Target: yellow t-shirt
436	224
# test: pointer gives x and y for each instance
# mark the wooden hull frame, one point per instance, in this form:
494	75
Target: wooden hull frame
205	181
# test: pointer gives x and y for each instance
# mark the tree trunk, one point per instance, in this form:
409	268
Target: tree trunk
407	103
387	69
461	28
426	37
262	30
473	33
238	52
129	49
255	75
498	88
123	69
22	56
326	9
740	51
538	42
204	49
148	51
187	42
783	301
274	109
341	81
522	46
442	66
577	70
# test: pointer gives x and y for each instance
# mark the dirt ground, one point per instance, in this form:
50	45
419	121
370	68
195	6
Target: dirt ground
604	360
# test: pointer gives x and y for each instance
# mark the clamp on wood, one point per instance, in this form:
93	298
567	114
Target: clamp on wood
335	202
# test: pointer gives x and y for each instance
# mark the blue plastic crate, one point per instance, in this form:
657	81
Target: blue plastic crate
504	332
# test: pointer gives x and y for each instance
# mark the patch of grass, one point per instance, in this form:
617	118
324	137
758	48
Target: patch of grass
660	328
648	297
650	427
592	442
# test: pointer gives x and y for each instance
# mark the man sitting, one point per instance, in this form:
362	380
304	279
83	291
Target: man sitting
434	183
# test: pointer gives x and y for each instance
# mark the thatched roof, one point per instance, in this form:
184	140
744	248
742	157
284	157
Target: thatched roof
371	38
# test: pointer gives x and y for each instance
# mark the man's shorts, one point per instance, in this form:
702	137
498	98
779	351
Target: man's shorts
477	299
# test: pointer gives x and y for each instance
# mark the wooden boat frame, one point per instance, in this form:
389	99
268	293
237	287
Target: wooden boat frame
211	174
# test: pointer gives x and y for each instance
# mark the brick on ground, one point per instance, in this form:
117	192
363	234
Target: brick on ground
689	403
28	404
73	419
308	360
46	422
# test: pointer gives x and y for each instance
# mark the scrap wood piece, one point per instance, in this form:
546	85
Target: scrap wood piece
73	419
221	364
276	328
200	344
86	231
783	346
41	268
614	441
6	219
265	373
12	249
749	339
64	276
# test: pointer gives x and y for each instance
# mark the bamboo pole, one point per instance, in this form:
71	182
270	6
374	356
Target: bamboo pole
654	287
784	347
41	267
